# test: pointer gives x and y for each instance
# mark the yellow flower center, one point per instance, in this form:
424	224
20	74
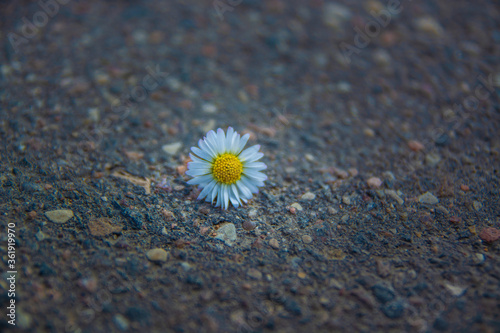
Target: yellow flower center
227	168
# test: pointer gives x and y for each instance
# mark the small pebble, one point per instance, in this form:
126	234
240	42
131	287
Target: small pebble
254	274
297	206
394	195
209	108
374	182
40	236
428	198
477	205
249	225
332	210
273	242
455	290
369	132
429	25
308	196
227	233
157	255
489	235
432	159
172	148
346	200
415	145
252	213
60	215
334	15
307	239
121	322
102	227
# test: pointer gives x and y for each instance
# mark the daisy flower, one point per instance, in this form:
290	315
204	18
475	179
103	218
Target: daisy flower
223	170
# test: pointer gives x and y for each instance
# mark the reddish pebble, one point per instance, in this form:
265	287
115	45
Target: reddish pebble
415	145
249	225
32	215
464	188
455	219
293	210
374	182
489	235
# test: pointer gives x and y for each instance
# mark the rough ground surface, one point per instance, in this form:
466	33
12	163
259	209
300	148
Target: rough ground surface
413	109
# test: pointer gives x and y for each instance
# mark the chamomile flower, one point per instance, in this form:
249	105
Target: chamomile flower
224	171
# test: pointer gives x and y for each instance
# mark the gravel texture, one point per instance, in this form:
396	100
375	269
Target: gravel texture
380	128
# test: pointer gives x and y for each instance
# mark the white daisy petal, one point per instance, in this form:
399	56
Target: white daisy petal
221	141
225	173
257	166
207	148
229	138
219	196
215	192
211	139
248	153
201	153
242	143
207	190
225	197
196	159
198	172
254	157
249	184
245	191
234	191
201	180
234	199
255	175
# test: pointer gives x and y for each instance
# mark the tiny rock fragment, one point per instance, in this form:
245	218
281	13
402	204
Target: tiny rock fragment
489	235
273	242
383	268
173	148
60	215
249	225
369	132
167	214
464	188
429	25
102	227
374	182
428	198
415	145
297	206
139	181
308	196
209	108
254	274
307	239
134	155
455	290
157	255
332	210
353	172
334	15
227	233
